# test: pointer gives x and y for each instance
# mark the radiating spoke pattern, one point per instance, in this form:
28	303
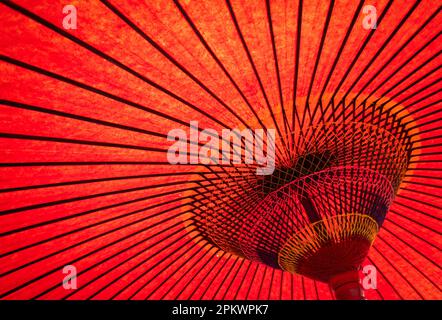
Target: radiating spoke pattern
84	119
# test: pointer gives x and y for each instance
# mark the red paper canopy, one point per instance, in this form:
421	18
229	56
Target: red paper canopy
85	114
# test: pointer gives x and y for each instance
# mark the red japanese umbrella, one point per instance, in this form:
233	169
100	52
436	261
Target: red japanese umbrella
87	107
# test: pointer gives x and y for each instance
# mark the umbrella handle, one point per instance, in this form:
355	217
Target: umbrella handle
347	286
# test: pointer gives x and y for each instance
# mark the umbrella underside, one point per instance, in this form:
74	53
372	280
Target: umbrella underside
85	179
